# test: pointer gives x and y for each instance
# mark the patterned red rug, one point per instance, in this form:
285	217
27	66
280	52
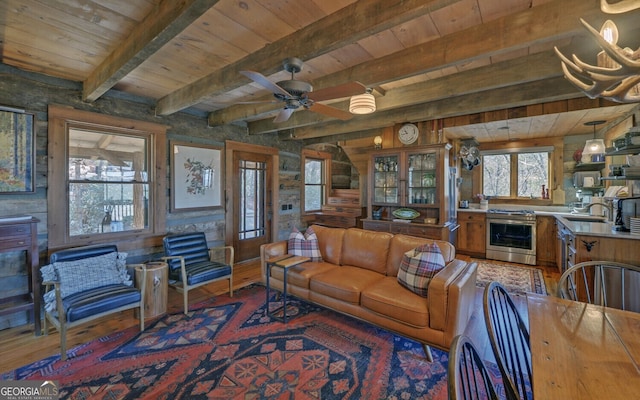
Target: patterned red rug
228	349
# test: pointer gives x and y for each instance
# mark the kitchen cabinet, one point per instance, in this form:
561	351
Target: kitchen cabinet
566	247
546	240
416	182
472	234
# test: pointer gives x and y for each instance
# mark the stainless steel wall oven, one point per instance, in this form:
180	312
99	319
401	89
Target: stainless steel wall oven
511	236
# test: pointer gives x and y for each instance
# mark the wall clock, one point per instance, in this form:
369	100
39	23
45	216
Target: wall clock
408	133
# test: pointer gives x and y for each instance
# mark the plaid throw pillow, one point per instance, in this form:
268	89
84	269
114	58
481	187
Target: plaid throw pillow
304	245
418	266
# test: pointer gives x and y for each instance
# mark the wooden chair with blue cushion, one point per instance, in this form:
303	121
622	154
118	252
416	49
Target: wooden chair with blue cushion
86	283
192	263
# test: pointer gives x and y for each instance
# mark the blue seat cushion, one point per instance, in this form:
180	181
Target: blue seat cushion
94	301
202	271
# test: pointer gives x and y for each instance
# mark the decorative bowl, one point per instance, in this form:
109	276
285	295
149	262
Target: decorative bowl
405	213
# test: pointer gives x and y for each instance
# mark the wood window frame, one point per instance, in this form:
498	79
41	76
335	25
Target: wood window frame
326	159
555	168
60	119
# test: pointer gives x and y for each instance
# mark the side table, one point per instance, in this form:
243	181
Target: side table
156	277
285	262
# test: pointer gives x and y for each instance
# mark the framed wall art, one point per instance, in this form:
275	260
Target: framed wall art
17	151
196	176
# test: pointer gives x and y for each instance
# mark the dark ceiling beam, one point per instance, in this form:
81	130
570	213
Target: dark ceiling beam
496	37
512	72
506	97
348	25
161	25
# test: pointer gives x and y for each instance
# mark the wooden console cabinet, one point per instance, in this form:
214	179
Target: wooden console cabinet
20	234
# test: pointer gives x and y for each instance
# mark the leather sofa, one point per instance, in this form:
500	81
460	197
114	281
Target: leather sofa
358	277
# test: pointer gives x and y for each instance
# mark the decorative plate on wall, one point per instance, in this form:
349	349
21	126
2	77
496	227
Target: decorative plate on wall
405	213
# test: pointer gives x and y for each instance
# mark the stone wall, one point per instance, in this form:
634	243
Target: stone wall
34	92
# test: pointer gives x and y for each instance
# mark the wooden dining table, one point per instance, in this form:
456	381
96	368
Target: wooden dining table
583	351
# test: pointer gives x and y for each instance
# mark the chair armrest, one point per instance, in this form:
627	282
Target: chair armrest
229	254
451	297
270	250
50	283
183	268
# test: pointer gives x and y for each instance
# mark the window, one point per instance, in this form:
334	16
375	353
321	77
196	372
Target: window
316	170
108	181
516	173
100	183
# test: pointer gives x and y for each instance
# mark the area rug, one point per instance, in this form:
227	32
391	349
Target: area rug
517	279
229	349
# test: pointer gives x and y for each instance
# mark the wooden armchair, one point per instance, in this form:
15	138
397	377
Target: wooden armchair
86	283
192	263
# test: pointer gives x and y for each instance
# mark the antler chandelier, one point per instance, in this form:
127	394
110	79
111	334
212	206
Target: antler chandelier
617	73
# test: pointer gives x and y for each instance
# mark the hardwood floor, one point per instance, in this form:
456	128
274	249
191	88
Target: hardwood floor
19	346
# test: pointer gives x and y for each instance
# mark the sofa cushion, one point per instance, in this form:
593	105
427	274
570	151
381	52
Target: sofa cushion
366	249
330	242
94	301
301	274
344	283
388	298
304	245
418	266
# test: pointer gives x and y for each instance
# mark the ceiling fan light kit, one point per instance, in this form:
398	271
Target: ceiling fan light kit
296	94
362	104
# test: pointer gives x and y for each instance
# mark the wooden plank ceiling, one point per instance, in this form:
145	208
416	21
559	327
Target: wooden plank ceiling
474	65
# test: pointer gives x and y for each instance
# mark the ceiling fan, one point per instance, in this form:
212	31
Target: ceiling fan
295	94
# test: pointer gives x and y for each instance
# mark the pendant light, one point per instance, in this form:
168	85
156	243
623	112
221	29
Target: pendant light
594	148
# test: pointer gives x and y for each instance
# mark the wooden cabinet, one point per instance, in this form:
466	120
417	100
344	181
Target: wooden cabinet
417	178
472	234
565	248
546	240
20	234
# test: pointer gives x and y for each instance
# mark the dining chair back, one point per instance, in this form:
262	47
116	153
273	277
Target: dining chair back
467	374
509	337
605	283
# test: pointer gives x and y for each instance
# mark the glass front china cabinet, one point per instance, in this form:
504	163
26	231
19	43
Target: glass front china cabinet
408	191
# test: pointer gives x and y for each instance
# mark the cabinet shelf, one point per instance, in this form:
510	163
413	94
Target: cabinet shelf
621	178
612	151
593	166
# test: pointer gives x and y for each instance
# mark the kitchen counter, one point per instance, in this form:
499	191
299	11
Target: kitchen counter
596	228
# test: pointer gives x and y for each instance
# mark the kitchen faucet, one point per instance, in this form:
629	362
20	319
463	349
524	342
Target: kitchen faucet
608	205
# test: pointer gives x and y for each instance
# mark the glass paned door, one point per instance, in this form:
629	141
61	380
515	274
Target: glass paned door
385	179
422	179
251	200
252	180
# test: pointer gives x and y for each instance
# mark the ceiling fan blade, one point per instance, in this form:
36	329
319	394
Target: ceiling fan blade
263	81
336	92
330	111
283	115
